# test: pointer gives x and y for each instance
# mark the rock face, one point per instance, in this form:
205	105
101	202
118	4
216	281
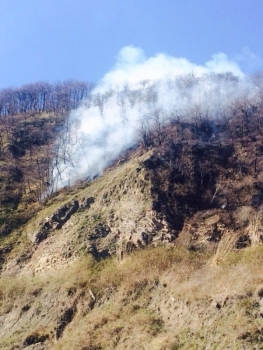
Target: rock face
85	203
66	317
157	201
95	239
59	218
204	230
180	193
35	339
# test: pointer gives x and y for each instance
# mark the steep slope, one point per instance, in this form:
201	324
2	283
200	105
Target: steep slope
103	218
59	292
34	132
161	251
154	299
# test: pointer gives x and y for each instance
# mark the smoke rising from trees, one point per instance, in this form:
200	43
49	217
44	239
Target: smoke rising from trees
140	94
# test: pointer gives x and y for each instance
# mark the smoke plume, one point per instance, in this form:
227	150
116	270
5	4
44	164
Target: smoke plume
130	96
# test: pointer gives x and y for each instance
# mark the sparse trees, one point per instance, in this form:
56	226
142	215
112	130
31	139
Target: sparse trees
27	138
42	96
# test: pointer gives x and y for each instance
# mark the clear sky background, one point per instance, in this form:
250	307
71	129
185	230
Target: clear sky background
55	40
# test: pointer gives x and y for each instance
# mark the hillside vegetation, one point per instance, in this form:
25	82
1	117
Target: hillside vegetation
162	251
34	128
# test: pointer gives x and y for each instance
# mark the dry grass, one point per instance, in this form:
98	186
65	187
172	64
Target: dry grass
255	229
154	299
88	279
158	298
225	246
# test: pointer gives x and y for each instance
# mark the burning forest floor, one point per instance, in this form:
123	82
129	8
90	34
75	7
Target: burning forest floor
163	251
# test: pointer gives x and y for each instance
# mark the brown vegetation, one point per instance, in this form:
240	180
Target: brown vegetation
161	252
32	119
161	298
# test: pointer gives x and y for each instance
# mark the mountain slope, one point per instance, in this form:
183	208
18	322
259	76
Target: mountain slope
162	251
59	292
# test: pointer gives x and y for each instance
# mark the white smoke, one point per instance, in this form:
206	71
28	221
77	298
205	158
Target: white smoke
132	67
136	89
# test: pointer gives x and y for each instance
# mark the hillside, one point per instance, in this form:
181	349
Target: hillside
34	128
161	251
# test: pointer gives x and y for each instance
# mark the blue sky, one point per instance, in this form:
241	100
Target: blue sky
55	40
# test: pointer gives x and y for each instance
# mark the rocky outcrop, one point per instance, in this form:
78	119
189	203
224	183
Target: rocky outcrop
85	203
205	229
60	217
35	338
66	317
97	243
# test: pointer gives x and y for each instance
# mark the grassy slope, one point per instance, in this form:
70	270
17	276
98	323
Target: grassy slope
157	298
57	296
